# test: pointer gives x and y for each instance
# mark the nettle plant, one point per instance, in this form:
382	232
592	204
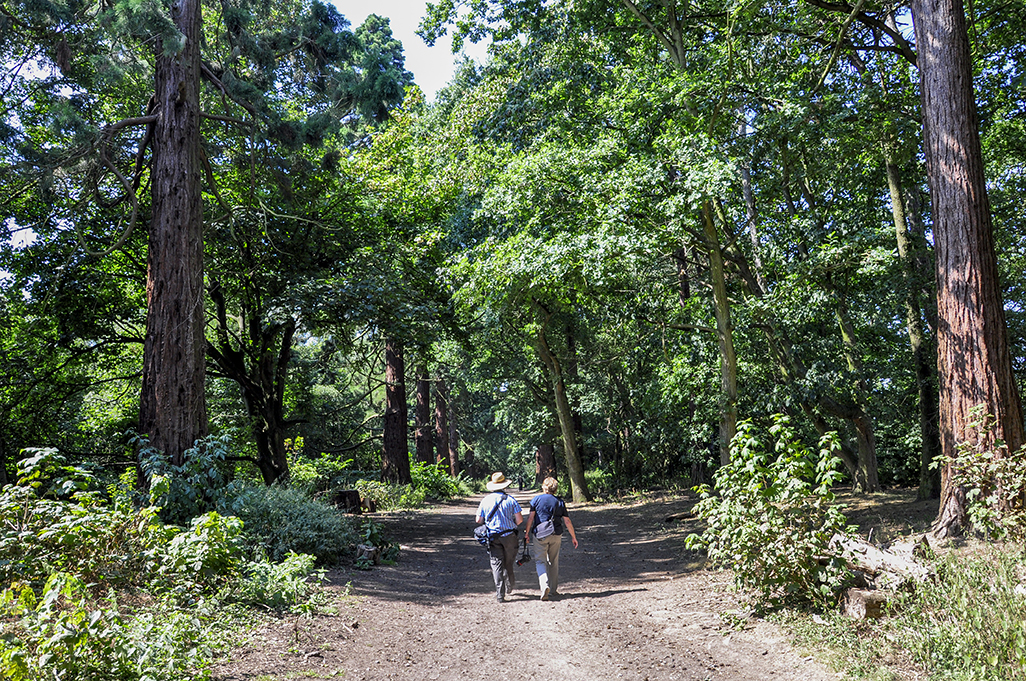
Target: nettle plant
993	477
772	516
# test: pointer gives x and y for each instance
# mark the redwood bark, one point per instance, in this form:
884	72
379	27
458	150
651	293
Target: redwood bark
422	414
395	457
544	463
172	406
973	360
442	424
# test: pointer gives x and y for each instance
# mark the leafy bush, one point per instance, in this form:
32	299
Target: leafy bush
435	482
197	486
279	585
994	479
110	546
279	520
316	474
208	552
599	481
65	635
391	497
774	516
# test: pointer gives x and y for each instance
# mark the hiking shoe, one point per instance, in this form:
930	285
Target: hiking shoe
546	596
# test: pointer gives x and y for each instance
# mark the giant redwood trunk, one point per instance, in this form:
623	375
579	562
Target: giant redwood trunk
442	424
422	415
395	456
172	406
973	360
544	464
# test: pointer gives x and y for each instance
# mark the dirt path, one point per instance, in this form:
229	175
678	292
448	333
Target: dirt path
632	607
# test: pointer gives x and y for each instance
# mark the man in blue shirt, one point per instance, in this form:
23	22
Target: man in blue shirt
501	514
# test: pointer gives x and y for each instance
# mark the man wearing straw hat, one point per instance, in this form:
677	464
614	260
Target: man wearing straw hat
501	514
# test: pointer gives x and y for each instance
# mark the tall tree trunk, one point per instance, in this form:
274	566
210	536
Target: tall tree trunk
566	422
544	463
172	405
442	423
422	416
929	476
454	438
724	333
973	360
395	457
261	374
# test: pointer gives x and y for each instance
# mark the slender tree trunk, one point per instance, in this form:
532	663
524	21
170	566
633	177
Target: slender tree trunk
442	423
929	477
422	415
395	459
973	358
865	435
565	415
172	405
724	333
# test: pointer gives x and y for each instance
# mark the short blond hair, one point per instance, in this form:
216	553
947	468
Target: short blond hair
549	486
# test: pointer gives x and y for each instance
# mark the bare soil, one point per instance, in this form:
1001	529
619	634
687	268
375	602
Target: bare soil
634	605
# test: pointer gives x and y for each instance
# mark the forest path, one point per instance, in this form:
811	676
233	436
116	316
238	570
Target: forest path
631	607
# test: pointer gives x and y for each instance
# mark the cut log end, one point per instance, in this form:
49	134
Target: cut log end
863	604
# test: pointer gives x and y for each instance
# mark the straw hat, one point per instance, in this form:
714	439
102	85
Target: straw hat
497	482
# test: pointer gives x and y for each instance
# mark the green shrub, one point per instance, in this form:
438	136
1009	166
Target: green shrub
994	479
391	497
773	517
278	585
197	486
208	552
279	520
65	635
316	474
599	482
104	545
434	481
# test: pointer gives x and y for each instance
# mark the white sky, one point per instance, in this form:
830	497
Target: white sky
432	67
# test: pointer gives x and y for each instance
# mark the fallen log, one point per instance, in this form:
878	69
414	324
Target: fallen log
863	604
889	569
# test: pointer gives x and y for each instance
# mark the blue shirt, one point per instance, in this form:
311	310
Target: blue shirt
505	517
548	507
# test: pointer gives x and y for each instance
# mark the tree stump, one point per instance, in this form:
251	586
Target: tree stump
368	551
349	501
862	604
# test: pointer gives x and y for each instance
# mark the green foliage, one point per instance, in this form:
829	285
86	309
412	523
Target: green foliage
108	545
314	474
209	551
772	516
390	497
197	486
279	585
967	625
48	473
283	520
599	481
994	479
434	481
65	634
